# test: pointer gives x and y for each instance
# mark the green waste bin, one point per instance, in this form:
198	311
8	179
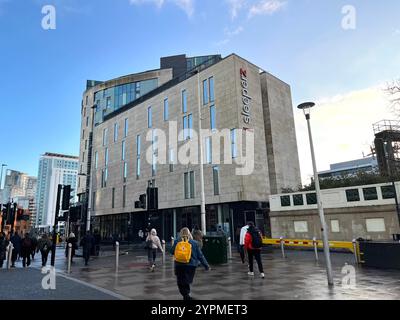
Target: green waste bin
215	249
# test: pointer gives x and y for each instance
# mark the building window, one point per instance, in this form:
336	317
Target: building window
87	121
149	118
83	134
113	198
166	111
352	195
370	194
108	103
171	160
187	127
126	128
123	196
83	156
125	172
335	226
211	83
96	160
190	126
298	200
85	144
285	201
212	118
300	226
311	198
115	132
388	192
106	157
216	180
205	92
138	150
105	131
208	150
375	225
123	151
234	143
189	184
87	100
184	101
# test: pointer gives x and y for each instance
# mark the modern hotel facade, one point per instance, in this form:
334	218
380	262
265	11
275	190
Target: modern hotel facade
121	152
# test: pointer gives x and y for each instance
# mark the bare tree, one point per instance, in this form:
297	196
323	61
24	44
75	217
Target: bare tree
393	90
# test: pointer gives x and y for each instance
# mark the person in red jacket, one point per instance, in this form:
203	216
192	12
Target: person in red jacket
253	245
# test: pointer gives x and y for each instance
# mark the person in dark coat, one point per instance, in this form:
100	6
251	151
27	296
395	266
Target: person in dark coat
16	241
26	250
34	246
3	248
71	240
97	240
87	243
185	272
44	246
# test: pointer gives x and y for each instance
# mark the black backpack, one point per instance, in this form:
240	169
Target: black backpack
256	240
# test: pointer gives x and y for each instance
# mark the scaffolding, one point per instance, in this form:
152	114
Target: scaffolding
387	146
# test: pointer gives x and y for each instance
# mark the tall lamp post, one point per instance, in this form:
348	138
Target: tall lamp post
306	107
1	177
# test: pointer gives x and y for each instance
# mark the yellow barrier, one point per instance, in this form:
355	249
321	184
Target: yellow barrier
310	244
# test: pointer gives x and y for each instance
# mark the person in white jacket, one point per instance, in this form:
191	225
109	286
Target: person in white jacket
243	232
153	243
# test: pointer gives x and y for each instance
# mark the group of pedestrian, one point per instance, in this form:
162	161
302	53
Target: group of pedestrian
24	248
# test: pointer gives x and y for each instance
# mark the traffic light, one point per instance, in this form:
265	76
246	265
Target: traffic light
74	214
66	198
152	198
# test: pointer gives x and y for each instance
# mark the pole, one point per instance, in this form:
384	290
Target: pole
163	254
1	179
69	257
9	255
203	197
53	249
283	247
320	208
116	256
229	248
315	243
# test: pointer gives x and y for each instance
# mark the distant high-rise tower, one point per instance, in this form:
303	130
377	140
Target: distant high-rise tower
54	169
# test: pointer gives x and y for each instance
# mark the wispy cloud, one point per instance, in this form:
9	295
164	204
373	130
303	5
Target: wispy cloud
229	34
185	5
266	7
235	6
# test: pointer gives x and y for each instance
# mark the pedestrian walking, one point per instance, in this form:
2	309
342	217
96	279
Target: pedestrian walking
198	236
26	250
97	240
152	244
16	241
71	240
44	246
34	246
242	250
87	243
3	248
253	245
187	256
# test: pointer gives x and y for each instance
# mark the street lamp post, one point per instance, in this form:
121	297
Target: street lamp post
1	177
306	107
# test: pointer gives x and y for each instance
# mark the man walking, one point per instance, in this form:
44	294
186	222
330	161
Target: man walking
87	244
26	250
44	245
16	241
253	245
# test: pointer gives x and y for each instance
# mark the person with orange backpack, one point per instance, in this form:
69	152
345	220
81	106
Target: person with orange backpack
253	245
187	256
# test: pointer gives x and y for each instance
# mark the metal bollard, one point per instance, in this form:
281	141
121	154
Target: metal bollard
283	247
172	241
315	243
229	249
116	256
9	255
163	254
69	257
355	250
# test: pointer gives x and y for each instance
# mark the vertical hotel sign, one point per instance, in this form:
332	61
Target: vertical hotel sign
246	99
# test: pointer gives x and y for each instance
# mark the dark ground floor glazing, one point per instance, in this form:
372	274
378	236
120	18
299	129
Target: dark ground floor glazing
230	216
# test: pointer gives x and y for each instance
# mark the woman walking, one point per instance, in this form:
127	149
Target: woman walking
186	264
152	244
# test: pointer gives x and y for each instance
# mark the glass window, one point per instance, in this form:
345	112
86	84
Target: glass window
285	201
192	184
149	118
234	143
212	98
106	157
96	160
216	180
208	150
123	151
375	225
335	226
166	111
125	174
311	198
115	132
370	194
87	121
212	118
108	102
171	160
352	195
184	101
300	226
138	147
190	126
123	196
113	198
388	192
205	92
137	168
186	184
105	136
298	200
126	128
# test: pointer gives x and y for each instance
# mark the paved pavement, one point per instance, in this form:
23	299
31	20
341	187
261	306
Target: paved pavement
297	277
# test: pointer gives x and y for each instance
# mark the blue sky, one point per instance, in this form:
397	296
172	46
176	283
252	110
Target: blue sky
43	72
